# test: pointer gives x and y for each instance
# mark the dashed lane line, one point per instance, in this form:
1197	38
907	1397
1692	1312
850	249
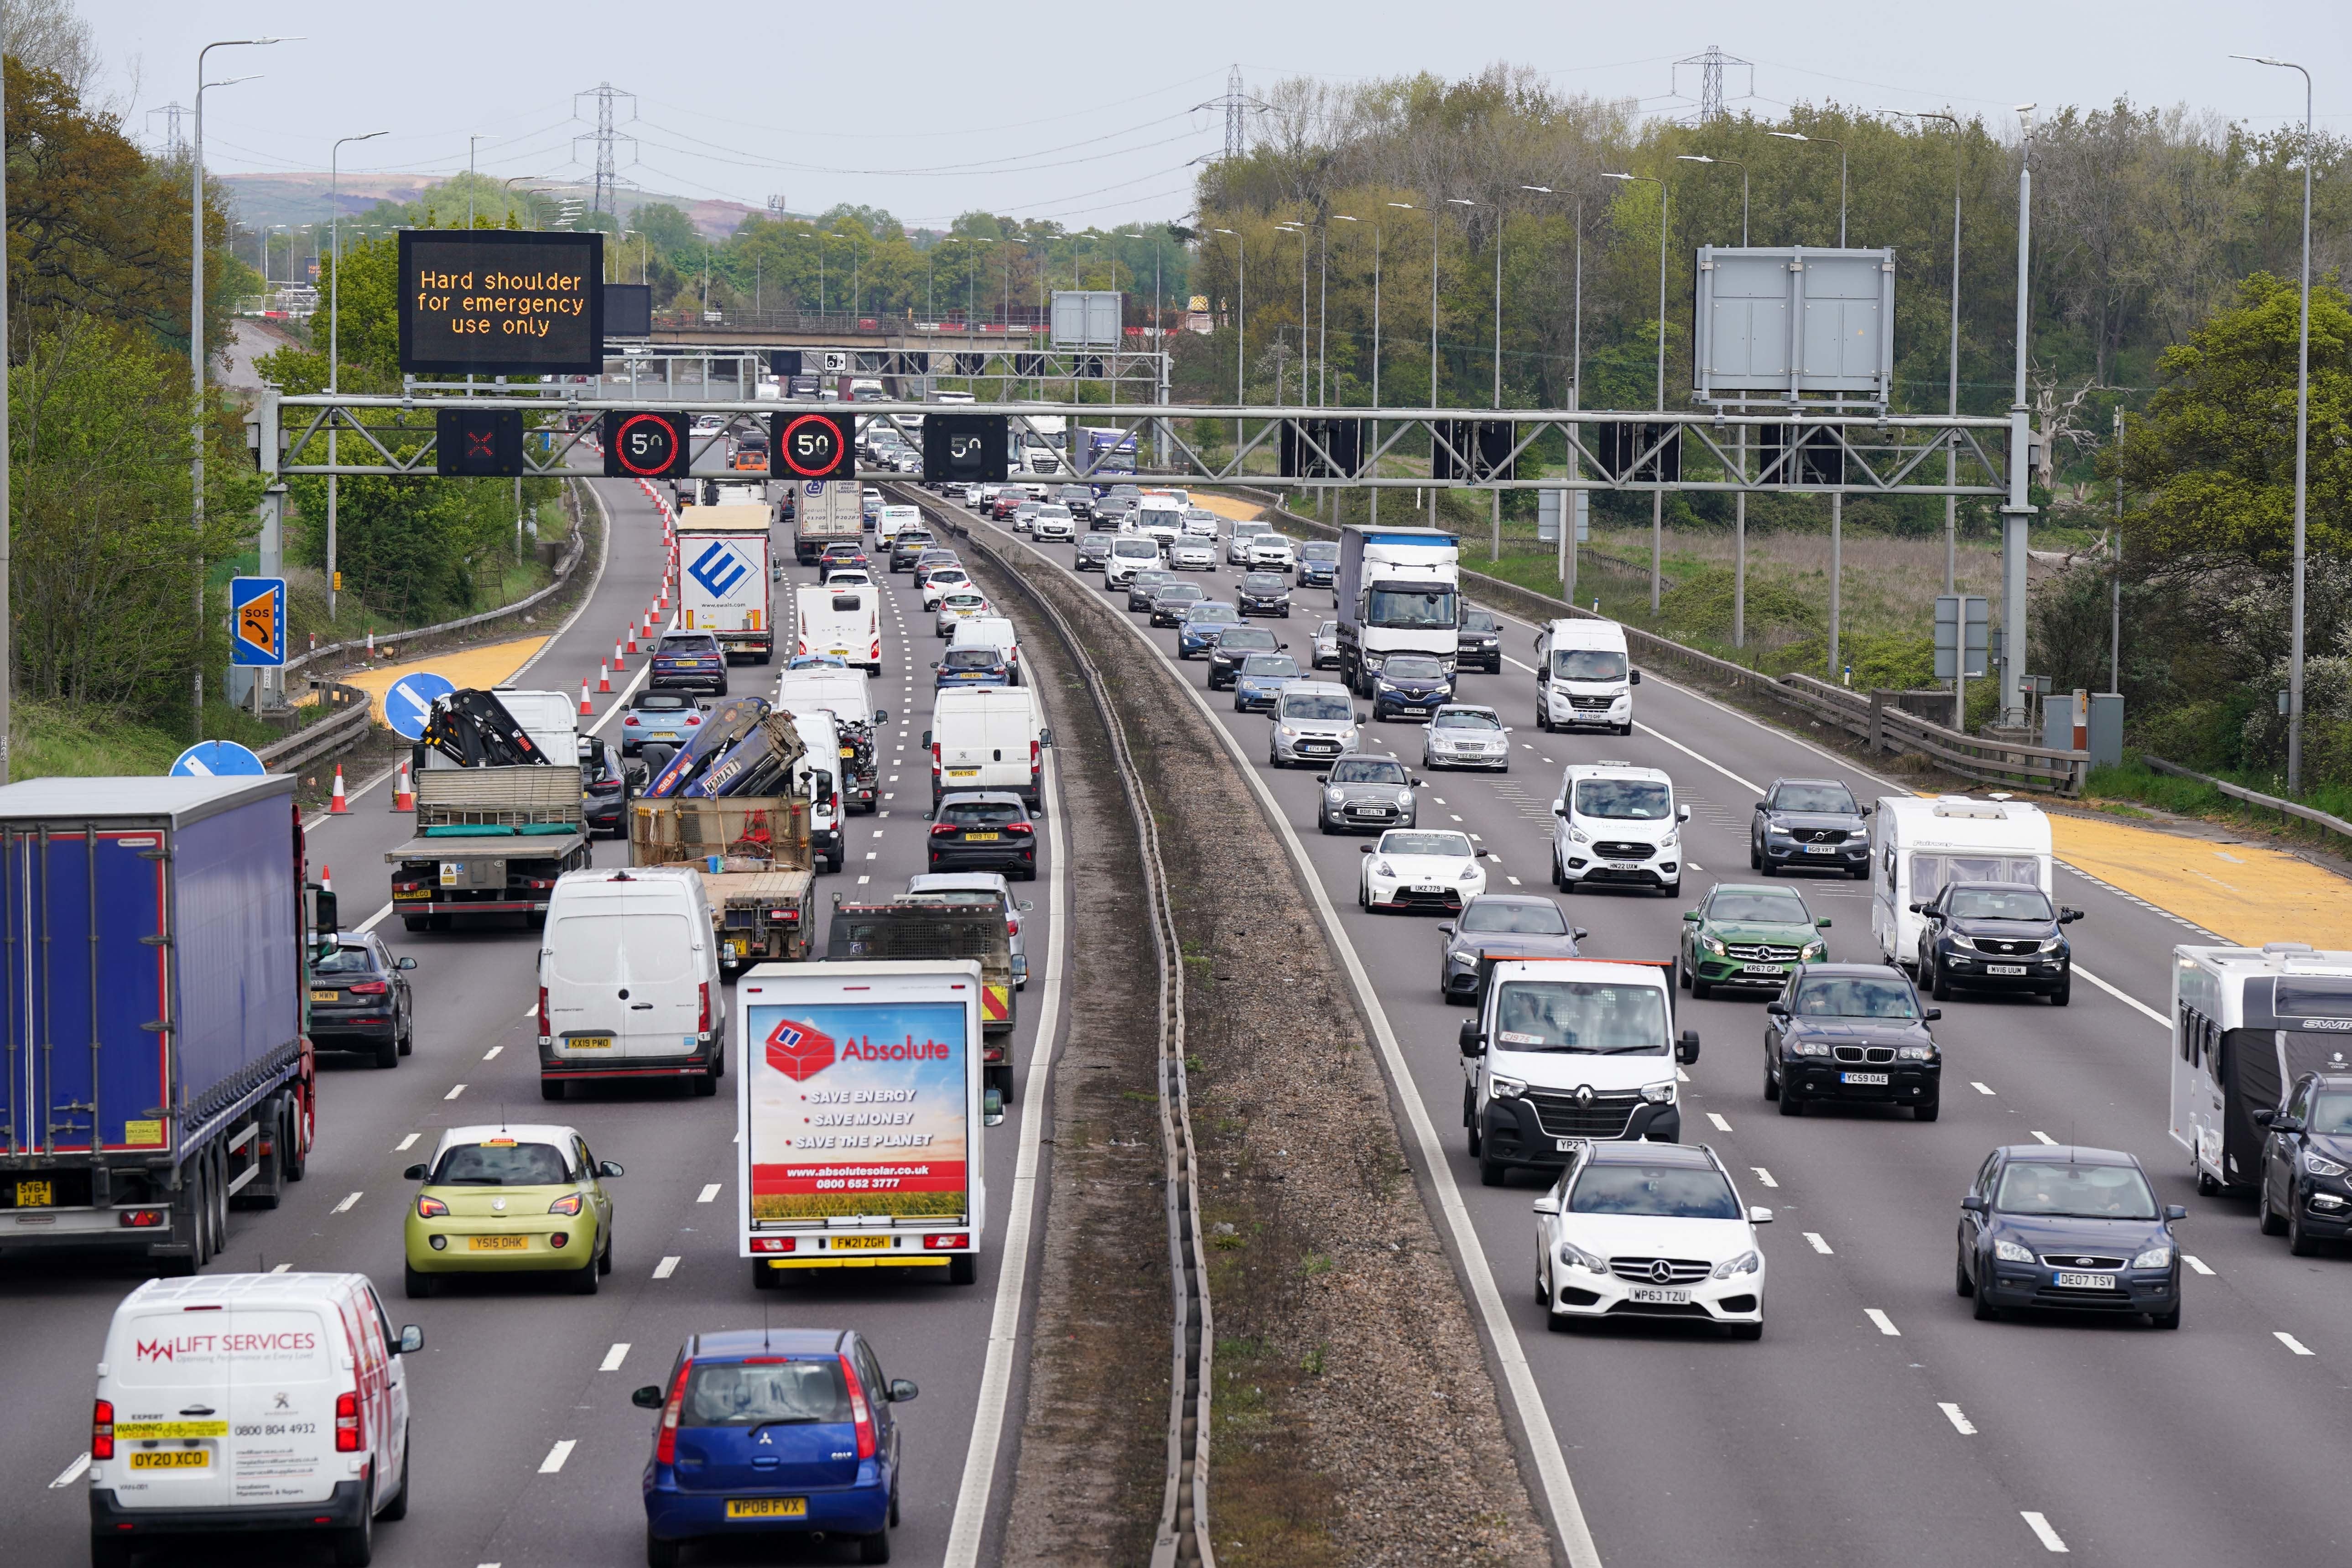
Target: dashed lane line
557	1455
2290	1342
345	1207
2041	1137
1763	1176
1961	1423
1719	1123
666	1267
1886	1324
71	1473
711	1192
455	1089
2196	1264
406	1145
614	1357
1813	1239
1980	1089
2050	1538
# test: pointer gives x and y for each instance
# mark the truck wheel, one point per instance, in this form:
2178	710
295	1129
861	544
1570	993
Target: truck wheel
355	1547
293	1158
417	922
964	1268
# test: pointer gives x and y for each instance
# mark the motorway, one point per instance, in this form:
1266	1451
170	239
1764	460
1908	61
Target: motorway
1877	1422
526	1449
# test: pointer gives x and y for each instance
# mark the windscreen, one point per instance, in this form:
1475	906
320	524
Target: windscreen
1473	620
2074	1192
1264	583
1319	551
1986	904
1406	608
502	1165
1179	593
1855	996
1588	664
345	961
1274	664
660	701
1406	667
697	644
1251	639
2331	1115
1596	1017
1929	873
1670	1192
971	658
981	813
1366	770
1488	916
1772	908
1464	719
1315	705
1135	549
602	950
1625	800
1409	843
1831	799
764	1393
1214	615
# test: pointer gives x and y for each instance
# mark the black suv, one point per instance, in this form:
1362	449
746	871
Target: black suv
1995	936
1851	1034
1480	638
1813	823
2307	1164
1234	645
1079	499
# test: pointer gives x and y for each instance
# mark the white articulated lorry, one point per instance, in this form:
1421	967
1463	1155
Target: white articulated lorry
1399	591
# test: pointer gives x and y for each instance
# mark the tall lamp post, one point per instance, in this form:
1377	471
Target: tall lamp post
2302	440
1729	163
1826	141
1494	544
196	349
1240	337
1739	496
2017	512
334	338
1572	498
1952	371
1373	502
1657	496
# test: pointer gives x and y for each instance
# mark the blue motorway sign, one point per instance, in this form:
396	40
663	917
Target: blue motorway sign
411	700
216	758
257	621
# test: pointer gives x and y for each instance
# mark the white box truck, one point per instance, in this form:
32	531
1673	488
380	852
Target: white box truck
1398	591
825	511
844	621
1924	844
723	583
858	1118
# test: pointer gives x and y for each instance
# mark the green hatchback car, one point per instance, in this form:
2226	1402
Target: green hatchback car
510	1199
1747	934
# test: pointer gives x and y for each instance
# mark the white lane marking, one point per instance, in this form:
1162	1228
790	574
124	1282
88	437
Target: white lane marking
71	1473
1720	1124
877	833
531	1011
455	1092
2195	1264
406	1145
1764	1175
710	1191
862	880
1980	1089
1696	757
345	1207
1961	1423
1511	879
2041	1137
1886	1324
1681	1077
369	924
666	1267
281	1268
2040	1527
1813	1239
557	1455
614	1357
2290	1342
492	1054
2132	1001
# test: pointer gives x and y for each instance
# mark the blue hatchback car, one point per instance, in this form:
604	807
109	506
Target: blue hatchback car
1260	680
978	664
791	1432
1198	631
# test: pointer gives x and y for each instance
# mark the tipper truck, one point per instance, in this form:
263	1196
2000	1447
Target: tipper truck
825	511
754	855
1398	591
494	831
723	583
858	1119
154	972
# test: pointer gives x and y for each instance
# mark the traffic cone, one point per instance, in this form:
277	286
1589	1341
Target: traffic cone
604	677
631	638
325	879
617	653
404	790
586	708
337	806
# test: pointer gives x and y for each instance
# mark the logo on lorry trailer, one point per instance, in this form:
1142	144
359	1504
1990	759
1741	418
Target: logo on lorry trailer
718	569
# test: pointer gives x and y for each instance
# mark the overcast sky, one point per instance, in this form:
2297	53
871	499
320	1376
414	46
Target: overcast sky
1088	116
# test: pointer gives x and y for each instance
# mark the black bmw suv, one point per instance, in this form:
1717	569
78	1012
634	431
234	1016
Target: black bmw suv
1995	936
1811	822
1851	1034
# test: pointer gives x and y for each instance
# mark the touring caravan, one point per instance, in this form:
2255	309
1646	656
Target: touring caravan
1924	842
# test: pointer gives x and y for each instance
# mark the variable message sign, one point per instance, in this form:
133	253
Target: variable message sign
501	302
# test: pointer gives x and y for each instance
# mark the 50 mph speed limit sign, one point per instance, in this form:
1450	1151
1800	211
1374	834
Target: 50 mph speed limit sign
815	446
645	446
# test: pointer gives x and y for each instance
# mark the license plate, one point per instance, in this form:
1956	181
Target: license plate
861	1243
498	1243
1821	848
35	1194
1761	969
171	1459
2086	1281
980	838
326	995
1622	865
767	1507
1369	810
2004	969
848	751
1863	1077
964	773
589	1043
1426	888
1659	1296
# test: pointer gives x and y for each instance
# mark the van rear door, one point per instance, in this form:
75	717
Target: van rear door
217	1406
629	961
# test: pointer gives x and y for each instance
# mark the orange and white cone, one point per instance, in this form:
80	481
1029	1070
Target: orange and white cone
604	677
631	640
586	708
404	790
616	652
337	806
325	879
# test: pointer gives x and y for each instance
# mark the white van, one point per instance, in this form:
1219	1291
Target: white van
1924	844
249	1401
1130	553
990	631
891	518
844	621
1584	677
834	691
1613	823
628	980
988	737
821	774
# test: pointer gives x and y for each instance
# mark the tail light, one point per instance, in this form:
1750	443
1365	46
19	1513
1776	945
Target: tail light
945	1243
666	1445
859	1410
351	1431
368	988
1012	925
1020	827
941	829
430	1207
702	1007
101	1429
544	1032
693	719
1033	757
629	721
775	1243
568	1203
935	758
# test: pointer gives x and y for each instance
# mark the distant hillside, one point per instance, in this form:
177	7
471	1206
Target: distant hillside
263	200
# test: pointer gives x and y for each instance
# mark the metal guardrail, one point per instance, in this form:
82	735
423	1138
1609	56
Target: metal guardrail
1871	718
2312	815
328	735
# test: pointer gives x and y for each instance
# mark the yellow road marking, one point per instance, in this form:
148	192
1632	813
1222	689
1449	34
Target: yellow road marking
473	667
1227	506
2275	897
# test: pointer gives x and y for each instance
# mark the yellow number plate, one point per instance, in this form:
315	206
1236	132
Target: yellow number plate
589	1043
980	838
767	1507
326	995
860	1243
848	751
171	1459
964	773
35	1194
498	1243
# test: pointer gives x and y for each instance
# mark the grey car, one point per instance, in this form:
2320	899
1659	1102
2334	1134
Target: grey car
1314	721
1467	735
1142	585
1263	594
1094	549
1500	925
1171	600
1326	647
1366	793
1815	823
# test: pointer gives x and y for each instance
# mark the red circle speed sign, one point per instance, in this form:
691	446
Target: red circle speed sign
646	445
815	446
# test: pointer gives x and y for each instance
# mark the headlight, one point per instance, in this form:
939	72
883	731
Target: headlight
1576	1256
1671	841
1405	797
1958	941
2009	1252
1746	1263
2156	1257
1712	945
2319	1166
1382	684
1578	835
1383	869
1776	830
1662	1093
1471	874
1802	1046
2052	944
1506	1088
1817	950
568	1203
1914	1053
1339	796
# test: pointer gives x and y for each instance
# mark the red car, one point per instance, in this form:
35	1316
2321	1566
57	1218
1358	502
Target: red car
1008	500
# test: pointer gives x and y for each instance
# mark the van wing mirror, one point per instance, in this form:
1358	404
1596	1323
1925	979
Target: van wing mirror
1474	1040
412	1339
1632	678
881	715
1686	1048
1044	739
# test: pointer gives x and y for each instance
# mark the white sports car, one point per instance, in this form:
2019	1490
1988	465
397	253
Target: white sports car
1412	868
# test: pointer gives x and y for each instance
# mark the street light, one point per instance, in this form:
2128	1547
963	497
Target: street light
196	341
1827	142
1952	371
1240	334
334	335
2302	440
1729	163
1657	496
1576	400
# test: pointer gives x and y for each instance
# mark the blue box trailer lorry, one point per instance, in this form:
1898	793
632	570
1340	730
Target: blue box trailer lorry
154	1011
